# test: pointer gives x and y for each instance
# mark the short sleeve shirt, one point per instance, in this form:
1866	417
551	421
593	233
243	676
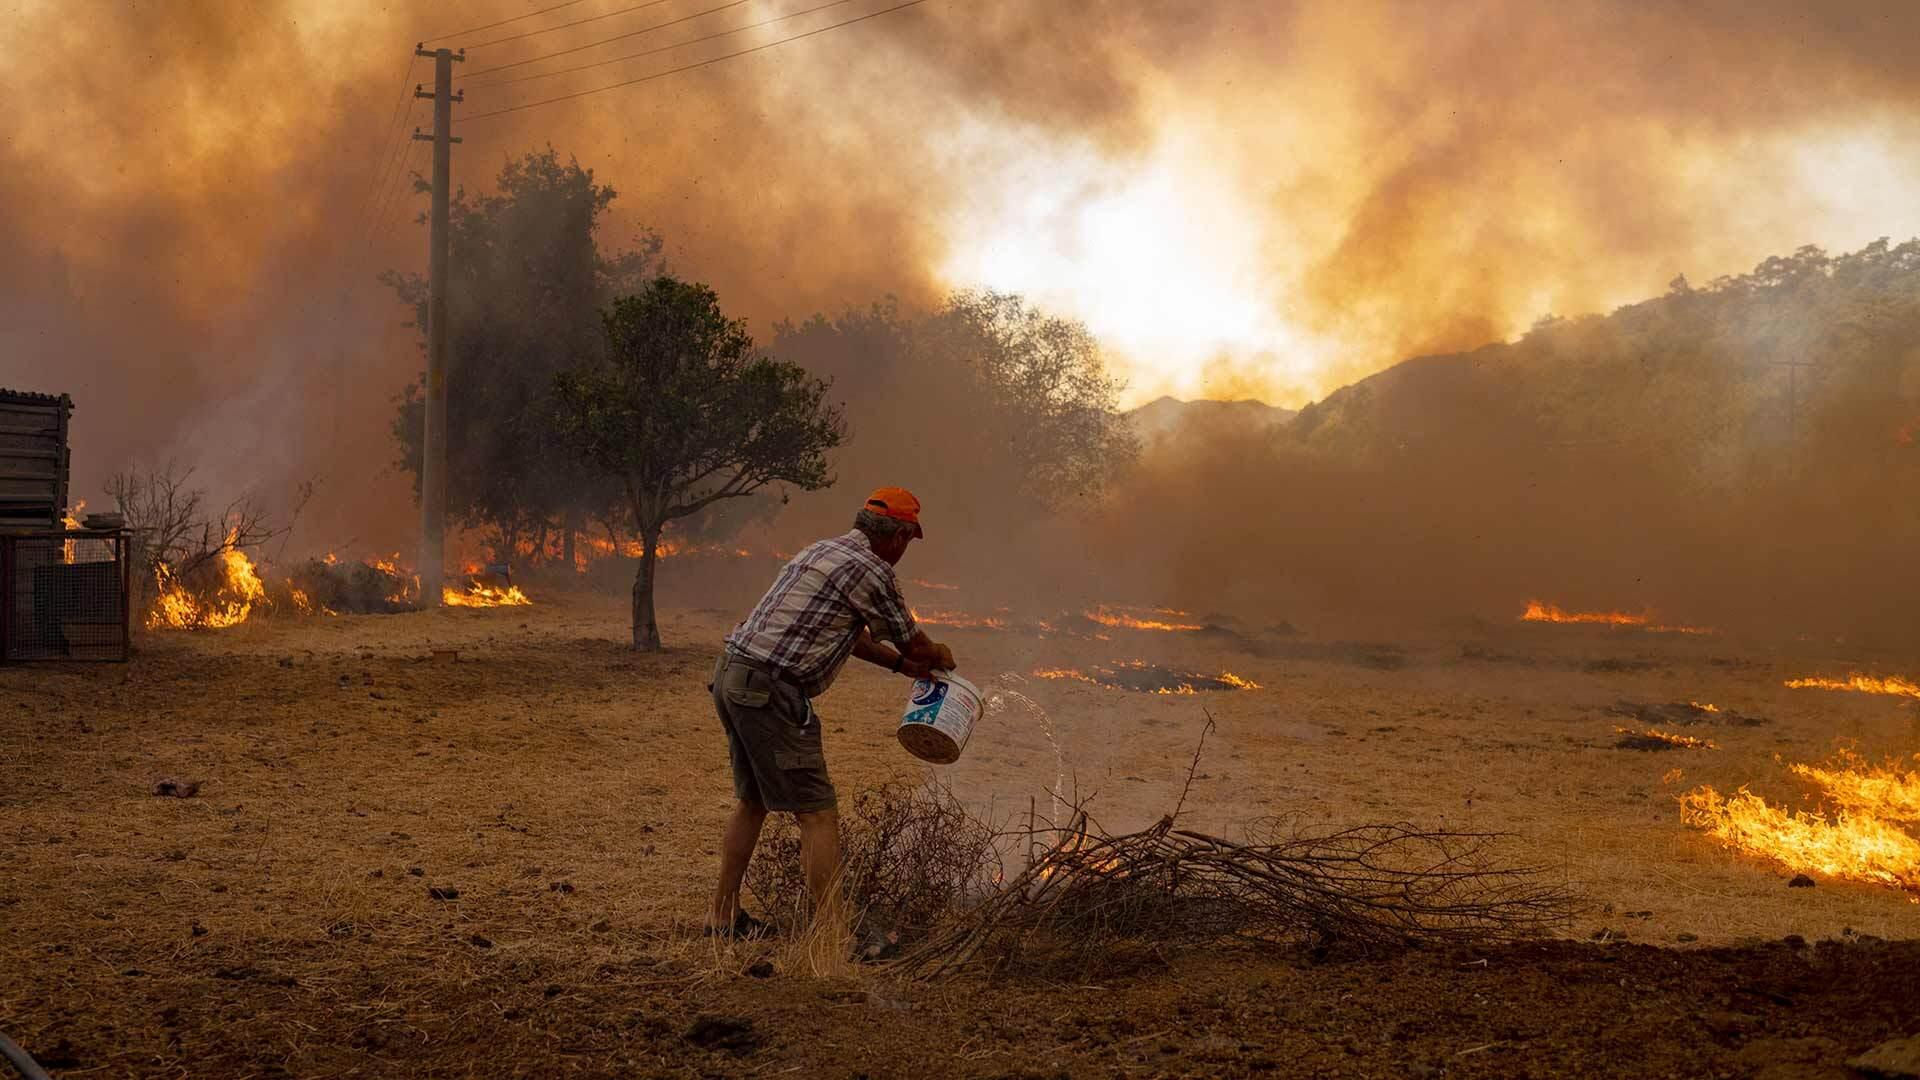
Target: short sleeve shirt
806	624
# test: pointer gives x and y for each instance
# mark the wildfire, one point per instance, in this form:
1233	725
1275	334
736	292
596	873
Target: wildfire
1142	677
1865	684
961	620
230	602
1858	841
1553	613
70	520
935	586
1686	742
1539	612
1704	706
479	594
1107	616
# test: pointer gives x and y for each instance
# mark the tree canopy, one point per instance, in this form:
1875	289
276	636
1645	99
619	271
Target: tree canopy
682	412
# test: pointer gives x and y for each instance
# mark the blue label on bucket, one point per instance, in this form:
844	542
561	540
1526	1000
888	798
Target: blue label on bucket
927	715
929	692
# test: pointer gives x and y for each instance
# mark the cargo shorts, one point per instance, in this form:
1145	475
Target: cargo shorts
773	739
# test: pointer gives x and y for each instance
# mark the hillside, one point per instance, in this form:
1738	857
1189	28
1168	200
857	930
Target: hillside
1698	374
1170	417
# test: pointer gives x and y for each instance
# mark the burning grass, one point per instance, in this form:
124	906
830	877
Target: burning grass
1860	683
1155	619
1655	739
478	594
226	590
1540	612
1144	678
1853	835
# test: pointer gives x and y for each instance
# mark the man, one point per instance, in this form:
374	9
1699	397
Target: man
837	598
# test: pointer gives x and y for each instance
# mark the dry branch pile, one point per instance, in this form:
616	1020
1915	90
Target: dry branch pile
930	875
1374	886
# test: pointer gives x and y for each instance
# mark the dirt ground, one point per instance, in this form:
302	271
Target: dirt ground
402	866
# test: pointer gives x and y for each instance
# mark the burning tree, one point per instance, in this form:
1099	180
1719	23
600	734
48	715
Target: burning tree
528	279
684	413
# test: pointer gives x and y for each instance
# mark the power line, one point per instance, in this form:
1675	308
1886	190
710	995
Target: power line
394	208
669	48
701	64
565	26
403	152
604	41
502	22
387	148
396	160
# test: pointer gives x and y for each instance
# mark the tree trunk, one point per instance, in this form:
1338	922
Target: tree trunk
646	631
568	526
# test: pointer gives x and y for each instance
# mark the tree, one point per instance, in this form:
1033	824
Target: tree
526	281
995	408
682	412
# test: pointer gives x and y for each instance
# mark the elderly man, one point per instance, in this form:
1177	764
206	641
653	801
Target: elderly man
839	597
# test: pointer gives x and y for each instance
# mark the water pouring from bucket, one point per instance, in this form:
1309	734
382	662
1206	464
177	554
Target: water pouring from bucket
939	717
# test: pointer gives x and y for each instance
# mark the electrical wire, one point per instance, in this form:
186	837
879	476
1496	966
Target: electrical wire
387	146
395	209
602	41
567	26
703	63
667	48
502	22
403	153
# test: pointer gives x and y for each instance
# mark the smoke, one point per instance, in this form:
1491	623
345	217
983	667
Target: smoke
1239	197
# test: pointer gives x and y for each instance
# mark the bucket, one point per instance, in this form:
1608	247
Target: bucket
939	717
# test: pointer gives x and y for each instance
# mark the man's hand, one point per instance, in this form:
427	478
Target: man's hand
943	657
914	669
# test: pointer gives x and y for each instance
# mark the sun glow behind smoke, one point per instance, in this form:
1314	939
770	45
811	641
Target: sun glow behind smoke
1162	259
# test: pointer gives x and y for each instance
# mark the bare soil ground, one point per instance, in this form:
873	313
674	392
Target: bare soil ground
396	866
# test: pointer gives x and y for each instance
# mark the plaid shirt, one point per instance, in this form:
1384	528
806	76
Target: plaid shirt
807	623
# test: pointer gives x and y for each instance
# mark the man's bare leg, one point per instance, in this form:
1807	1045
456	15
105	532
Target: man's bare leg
736	850
820	860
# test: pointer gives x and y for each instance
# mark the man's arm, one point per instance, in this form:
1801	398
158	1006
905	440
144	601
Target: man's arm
921	655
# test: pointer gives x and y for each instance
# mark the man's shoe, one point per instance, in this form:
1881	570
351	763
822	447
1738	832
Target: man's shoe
744	927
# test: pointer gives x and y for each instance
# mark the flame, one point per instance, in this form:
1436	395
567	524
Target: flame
935	586
1859	841
239	589
407	591
482	595
1888	791
1865	684
1553	613
1704	706
1539	612
1107	616
1109	677
1686	741
331	559
70	520
961	620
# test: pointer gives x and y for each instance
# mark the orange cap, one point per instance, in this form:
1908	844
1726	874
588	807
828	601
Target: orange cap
898	504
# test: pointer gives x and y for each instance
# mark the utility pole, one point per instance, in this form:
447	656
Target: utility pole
433	442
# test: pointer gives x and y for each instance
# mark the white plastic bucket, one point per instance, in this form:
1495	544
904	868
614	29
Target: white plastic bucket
939	717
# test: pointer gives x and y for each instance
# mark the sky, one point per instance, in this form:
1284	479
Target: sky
1241	198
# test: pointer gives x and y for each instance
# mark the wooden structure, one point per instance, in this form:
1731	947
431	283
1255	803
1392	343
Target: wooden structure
65	593
33	460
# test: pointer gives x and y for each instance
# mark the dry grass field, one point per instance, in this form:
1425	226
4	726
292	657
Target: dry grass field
493	864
